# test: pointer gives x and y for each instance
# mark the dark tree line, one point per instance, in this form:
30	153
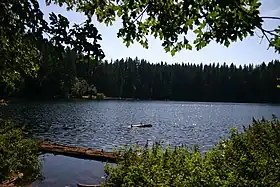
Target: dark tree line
78	75
134	78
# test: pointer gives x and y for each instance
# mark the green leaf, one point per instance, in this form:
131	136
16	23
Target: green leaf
167	49
188	46
227	43
173	51
119	13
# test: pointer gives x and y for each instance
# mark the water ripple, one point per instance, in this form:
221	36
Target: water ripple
105	124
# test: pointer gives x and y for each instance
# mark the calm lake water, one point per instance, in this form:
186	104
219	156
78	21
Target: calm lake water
64	171
105	125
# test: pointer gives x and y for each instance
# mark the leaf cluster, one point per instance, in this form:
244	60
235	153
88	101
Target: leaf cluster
23	42
18	154
223	21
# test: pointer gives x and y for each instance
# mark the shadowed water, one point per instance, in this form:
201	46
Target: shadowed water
67	171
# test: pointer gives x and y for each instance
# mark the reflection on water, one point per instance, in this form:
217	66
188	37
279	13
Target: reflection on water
67	171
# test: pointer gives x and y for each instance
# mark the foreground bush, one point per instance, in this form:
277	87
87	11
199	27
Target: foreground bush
100	96
250	159
18	154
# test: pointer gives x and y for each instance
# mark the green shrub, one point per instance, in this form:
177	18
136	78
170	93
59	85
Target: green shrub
251	158
80	87
100	96
18	154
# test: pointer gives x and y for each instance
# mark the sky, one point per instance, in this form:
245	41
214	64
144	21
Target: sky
248	51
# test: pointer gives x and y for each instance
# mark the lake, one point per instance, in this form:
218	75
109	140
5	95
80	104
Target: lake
105	125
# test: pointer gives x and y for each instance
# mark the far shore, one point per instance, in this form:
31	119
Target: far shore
8	100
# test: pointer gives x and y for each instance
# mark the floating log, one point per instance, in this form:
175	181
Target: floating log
88	185
78	152
141	125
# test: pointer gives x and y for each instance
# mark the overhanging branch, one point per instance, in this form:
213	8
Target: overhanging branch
270	17
141	14
264	31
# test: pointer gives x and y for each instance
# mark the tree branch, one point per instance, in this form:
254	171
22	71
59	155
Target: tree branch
264	31
269	17
261	37
269	32
141	15
45	32
264	34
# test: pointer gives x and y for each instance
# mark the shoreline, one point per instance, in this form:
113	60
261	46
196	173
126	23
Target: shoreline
9	100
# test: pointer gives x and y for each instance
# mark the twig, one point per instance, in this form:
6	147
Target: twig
141	17
45	32
258	35
141	13
264	34
269	32
112	3
261	37
270	17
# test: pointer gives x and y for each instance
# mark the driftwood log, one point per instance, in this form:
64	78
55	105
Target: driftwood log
78	152
92	185
11	181
3	102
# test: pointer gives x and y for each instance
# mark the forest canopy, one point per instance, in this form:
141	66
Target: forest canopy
140	79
